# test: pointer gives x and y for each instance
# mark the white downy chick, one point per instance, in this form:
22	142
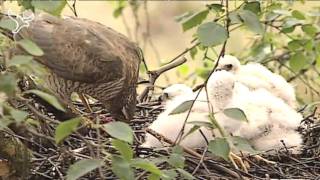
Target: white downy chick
269	117
257	76
177	94
175	90
224	92
170	126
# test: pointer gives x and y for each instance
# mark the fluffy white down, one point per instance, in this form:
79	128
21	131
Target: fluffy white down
180	93
270	118
176	94
257	76
176	90
170	126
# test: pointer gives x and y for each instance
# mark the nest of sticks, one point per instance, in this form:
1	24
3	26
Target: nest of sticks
51	161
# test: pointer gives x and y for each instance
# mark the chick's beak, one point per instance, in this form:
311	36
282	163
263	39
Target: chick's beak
224	68
164	97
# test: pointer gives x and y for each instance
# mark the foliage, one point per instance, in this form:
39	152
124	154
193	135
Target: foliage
120	131
66	128
236	113
50	6
281	37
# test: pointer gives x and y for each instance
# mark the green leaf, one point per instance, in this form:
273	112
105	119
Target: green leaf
169	174
26	4
153	177
193	52
183	69
53	7
251	20
177	149
18	115
8	24
30	47
309	29
216	7
202	124
47	97
183	16
297	61
185	174
253	6
64	129
294	45
183	107
282	12
19	60
119	130
5	121
288	30
192	130
147	166
121	168
309	45
290	22
318	62
176	160
236	113
275	6
242	144
82	167
270	16
212	34
121	5
234	18
117	12
124	149
194	20
8	83
203	72
220	147
298	15
33	122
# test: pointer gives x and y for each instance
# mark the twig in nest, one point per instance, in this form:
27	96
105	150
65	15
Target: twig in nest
153	75
166	140
191	152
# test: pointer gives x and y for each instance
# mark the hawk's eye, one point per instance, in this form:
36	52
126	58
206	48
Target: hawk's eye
229	67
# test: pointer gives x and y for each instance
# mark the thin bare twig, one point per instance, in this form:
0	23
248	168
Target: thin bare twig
153	75
73	7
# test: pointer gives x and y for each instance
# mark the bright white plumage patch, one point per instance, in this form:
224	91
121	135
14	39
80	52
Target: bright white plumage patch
179	93
170	126
256	76
270	118
176	90
175	94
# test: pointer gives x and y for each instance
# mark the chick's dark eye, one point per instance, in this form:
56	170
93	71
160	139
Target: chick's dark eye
229	66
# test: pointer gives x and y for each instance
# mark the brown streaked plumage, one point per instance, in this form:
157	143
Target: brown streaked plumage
87	57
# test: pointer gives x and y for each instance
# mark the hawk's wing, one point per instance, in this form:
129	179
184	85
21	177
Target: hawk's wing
82	50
